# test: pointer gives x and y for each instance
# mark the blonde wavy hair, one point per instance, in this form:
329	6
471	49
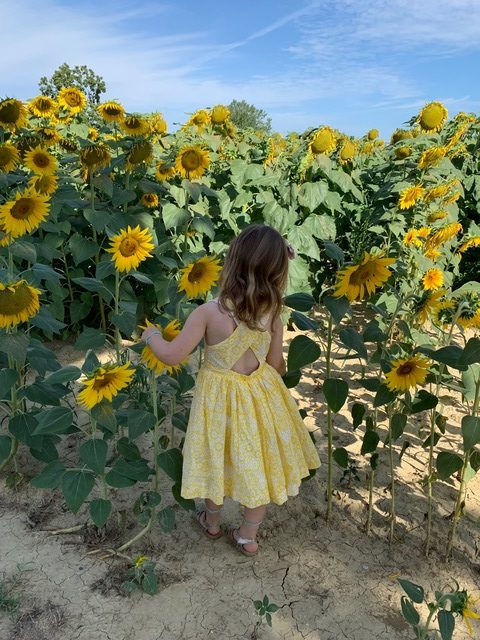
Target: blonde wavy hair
254	275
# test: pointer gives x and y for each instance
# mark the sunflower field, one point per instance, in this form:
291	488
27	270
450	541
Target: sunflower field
106	229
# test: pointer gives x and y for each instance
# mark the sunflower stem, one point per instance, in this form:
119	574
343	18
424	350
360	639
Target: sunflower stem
103	320
371	479
459	503
67	275
10	262
392	478
118	338
329	422
139	535
156	430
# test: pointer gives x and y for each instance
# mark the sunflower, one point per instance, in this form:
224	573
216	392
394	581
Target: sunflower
19	302
191	162
130	247
410	196
199	119
347	151
432	117
457	135
430	157
472	242
406	373
428	305
93	134
411	238
367	148
436	215
24	214
134	126
158	124
150	359
95	156
403	152
44	185
465	311
424	232
43	106
5	238
105	382
68	145
111	111
13	114
40	162
48	135
164	171
219	114
432	279
468	613
150	200
72	99
446	233
199	277
373	134
9	157
361	279
27	143
323	141
400	134
139	153
451	199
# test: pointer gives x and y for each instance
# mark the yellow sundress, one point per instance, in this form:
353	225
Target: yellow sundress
245	437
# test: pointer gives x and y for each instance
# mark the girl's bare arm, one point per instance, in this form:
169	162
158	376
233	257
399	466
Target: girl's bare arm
179	348
275	354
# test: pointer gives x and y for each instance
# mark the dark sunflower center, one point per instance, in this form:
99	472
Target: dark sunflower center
6	156
149	197
405	369
139	153
191	160
363	273
197	273
112	111
41	160
12	302
9	112
128	247
73	99
133	123
22	208
43	104
103	381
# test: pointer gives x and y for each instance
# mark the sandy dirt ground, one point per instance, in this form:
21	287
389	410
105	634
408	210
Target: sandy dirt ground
331	581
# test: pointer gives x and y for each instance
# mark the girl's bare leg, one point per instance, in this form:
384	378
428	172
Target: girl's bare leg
212	515
252	519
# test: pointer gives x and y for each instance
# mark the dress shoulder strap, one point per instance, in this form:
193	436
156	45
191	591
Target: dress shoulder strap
215	301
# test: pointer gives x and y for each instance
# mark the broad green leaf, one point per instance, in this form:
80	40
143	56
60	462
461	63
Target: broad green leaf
358	411
292	378
312	194
50	476
149	583
15	345
451	356
76	485
90	284
303	322
334	252
171	462
446	624
470	431
471	352
166	519
104	416
65	374
100	510
82	248
423	401
340	456
299	301
337	307
448	464
8	377
56	420
383	396
133	469
414	591
90	339
5	447
302	351
188	505
370	442
409	612
336	393
93	453
353	340
398	423
173	216
139	421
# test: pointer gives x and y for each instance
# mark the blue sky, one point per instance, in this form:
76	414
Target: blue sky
353	64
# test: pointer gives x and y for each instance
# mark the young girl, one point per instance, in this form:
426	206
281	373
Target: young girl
245	437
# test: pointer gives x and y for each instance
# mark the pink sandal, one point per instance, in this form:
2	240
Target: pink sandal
240	542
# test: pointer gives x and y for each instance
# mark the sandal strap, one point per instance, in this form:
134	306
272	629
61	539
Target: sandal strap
202	519
252	524
212	510
241	540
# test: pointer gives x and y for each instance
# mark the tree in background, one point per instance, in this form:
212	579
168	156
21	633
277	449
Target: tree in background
245	116
82	77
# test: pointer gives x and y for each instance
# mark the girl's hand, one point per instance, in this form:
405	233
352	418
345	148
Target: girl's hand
150	331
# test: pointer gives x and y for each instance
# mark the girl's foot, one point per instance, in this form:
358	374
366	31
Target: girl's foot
209	520
248	546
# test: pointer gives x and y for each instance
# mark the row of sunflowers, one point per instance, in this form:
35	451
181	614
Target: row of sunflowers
109	225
